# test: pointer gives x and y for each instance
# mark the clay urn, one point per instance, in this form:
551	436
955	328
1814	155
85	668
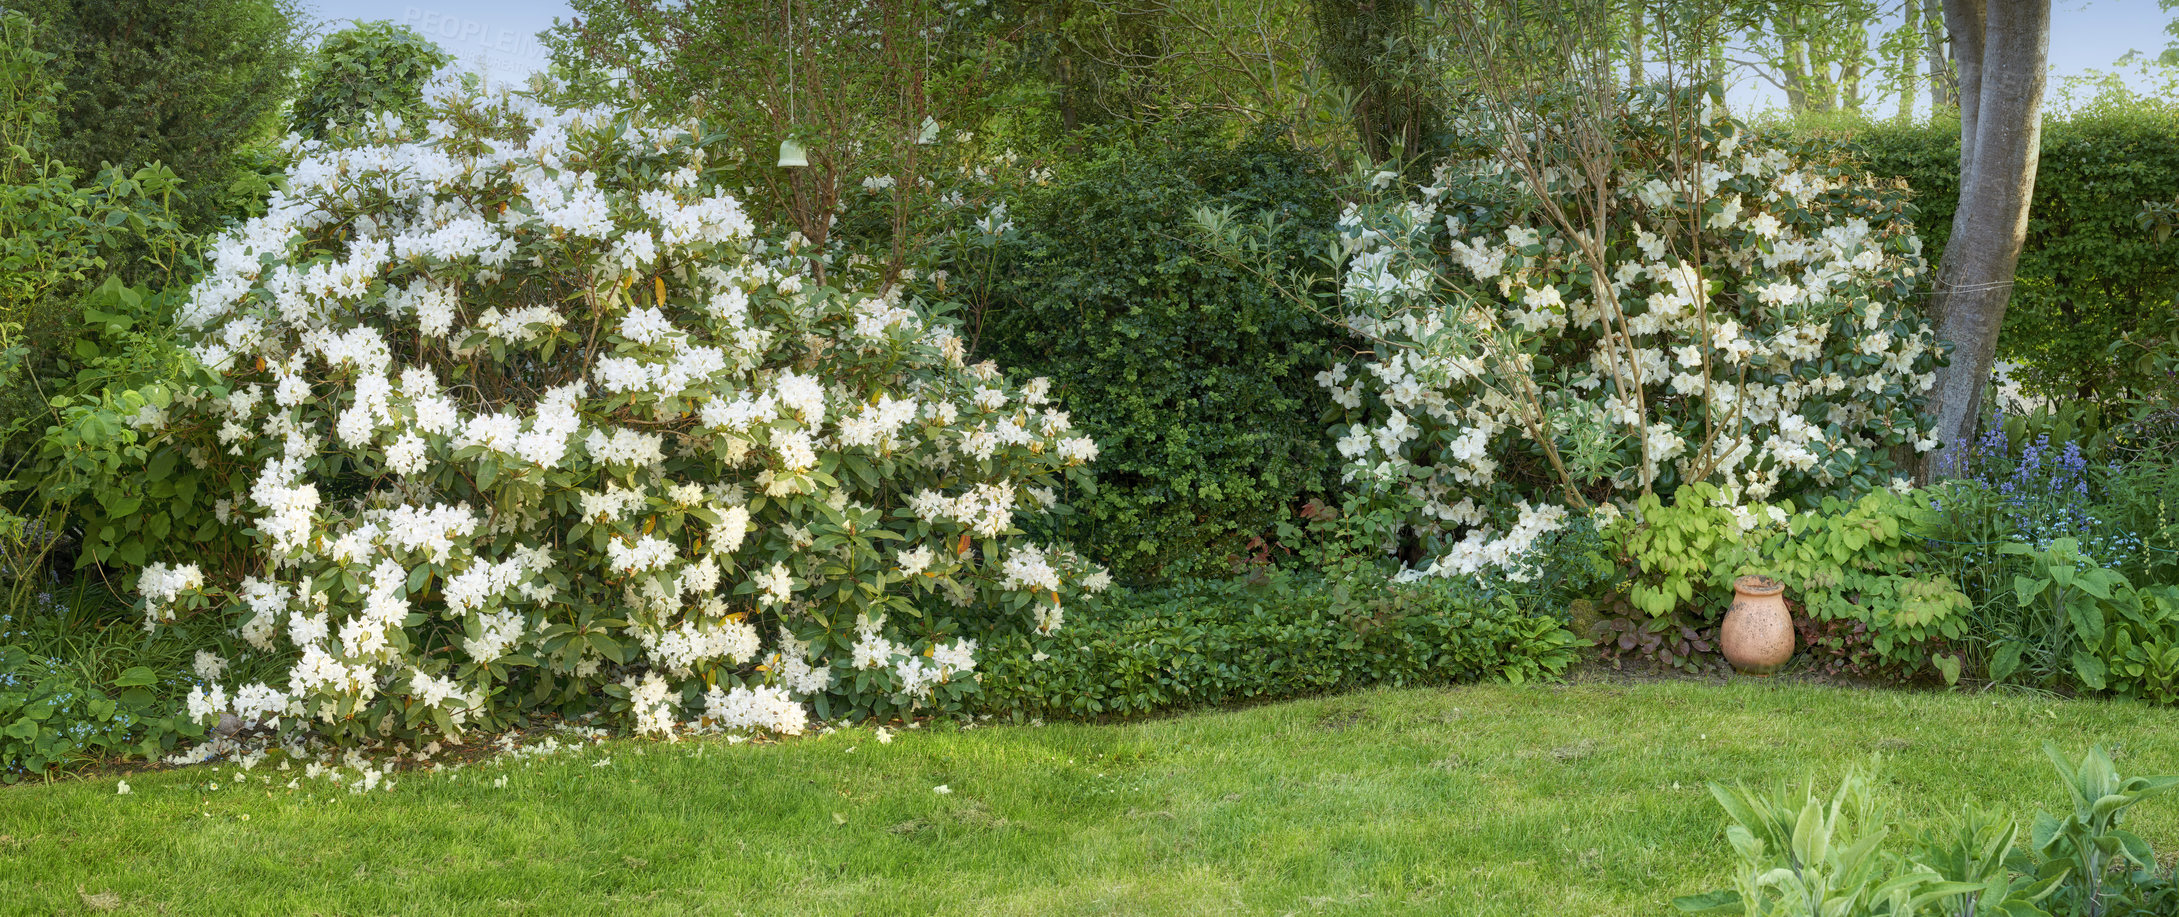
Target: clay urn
1758	633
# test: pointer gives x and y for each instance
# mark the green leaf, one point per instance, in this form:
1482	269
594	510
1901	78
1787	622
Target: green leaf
136	676
2006	660
1949	666
1722	901
2089	668
2087	618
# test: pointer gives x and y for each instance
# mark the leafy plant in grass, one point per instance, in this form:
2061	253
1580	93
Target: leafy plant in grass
1819	860
2085	846
51	716
1980	852
1808	858
2141	646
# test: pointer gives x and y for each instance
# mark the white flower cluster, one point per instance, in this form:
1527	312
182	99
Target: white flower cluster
517	395
1744	323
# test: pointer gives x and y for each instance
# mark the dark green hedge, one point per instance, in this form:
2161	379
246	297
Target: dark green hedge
2088	272
1195	378
1210	642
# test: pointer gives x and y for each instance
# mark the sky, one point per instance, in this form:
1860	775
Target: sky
498	37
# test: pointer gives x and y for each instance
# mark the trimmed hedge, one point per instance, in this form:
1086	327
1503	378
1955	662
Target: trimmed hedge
2088	273
1194	376
1214	642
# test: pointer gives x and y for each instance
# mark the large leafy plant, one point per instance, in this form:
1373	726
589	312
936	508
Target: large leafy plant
1810	858
1867	596
1801	856
2086	845
2065	605
1859	562
511	408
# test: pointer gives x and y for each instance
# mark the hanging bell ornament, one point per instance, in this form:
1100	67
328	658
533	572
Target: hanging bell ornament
791	155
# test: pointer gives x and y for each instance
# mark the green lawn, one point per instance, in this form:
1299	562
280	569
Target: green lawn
1582	799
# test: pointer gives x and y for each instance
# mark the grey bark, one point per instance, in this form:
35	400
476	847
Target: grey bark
2002	48
1941	81
1912	11
1850	85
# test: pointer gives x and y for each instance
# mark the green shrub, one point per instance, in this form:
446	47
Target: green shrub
1193	374
1282	635
58	238
61	231
185	82
367	68
2088	272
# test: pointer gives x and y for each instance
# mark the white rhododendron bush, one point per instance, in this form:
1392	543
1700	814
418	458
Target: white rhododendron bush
516	411
1729	314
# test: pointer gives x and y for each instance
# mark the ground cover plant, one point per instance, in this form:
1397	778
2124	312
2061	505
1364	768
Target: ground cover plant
1488	800
1271	637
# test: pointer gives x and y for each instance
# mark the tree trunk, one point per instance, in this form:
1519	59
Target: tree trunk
1793	65
1368	46
1943	83
1850	85
1634	47
2002	48
1912	11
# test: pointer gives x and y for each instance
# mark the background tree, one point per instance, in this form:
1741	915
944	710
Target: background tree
188	83
366	68
2171	51
2001	48
1816	53
1147	62
862	89
1943	79
1373	49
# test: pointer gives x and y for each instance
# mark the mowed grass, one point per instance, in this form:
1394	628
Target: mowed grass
1567	799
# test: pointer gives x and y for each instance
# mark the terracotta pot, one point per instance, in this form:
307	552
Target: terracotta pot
1758	633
